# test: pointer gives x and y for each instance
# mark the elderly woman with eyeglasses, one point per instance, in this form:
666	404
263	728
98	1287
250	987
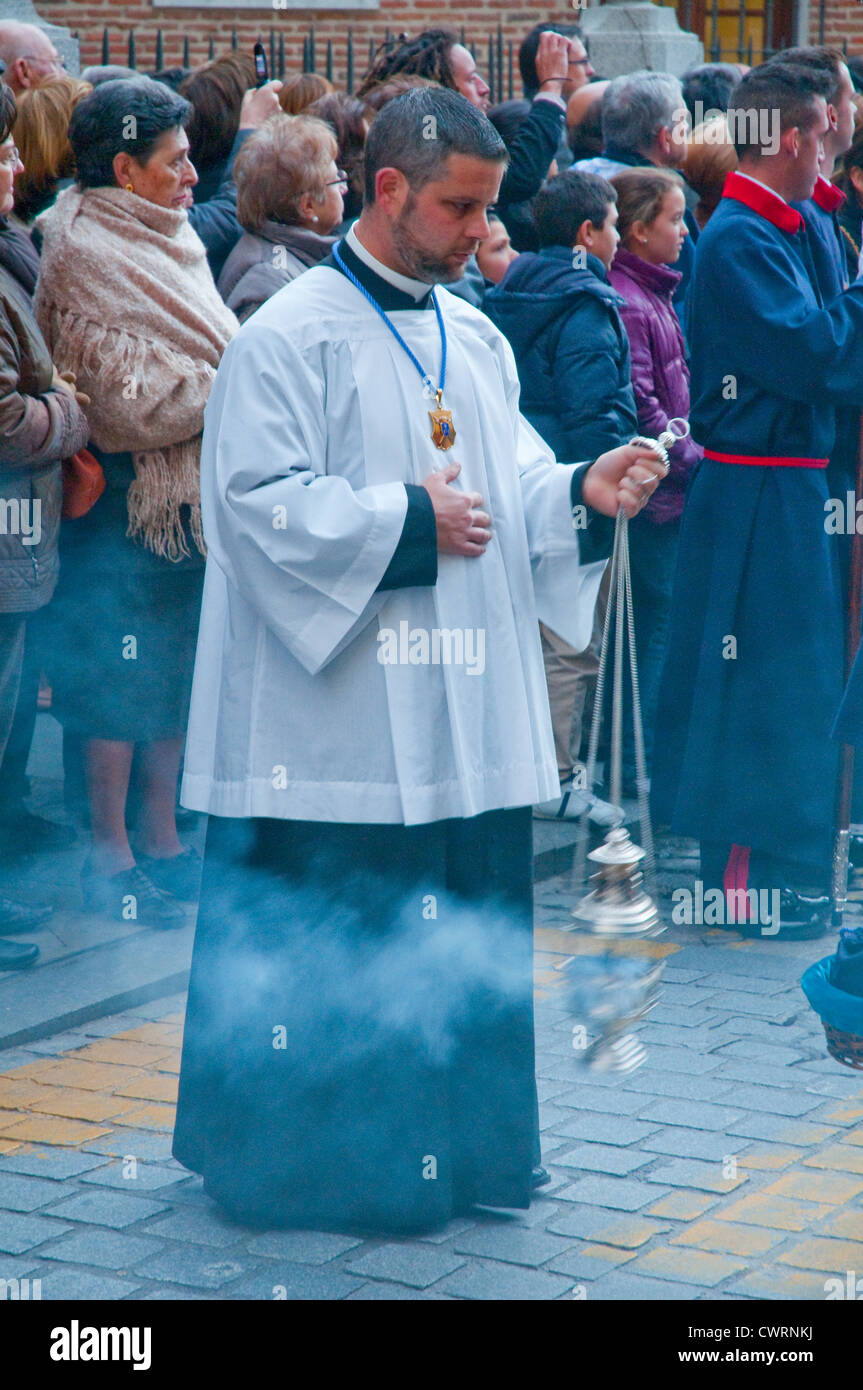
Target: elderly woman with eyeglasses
289	200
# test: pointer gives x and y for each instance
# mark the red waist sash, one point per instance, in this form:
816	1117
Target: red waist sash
766	460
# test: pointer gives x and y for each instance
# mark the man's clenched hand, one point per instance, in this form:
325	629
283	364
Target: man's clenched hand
623	477
462	529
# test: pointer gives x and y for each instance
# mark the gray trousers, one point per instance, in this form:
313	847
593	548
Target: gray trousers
568	674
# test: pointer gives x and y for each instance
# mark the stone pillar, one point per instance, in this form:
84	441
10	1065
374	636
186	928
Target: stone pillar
60	36
623	36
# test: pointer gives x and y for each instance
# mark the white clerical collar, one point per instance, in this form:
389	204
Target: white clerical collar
417	289
741	175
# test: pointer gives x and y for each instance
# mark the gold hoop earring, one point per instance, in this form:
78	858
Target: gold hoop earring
129	188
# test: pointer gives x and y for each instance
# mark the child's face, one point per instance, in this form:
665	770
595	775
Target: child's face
603	241
495	255
667	232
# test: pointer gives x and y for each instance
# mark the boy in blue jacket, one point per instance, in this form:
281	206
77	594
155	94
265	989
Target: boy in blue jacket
561	317
562	320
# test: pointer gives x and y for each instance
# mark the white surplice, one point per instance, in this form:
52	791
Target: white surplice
315	422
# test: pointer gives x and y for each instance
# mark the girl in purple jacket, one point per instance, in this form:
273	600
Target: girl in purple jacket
651	206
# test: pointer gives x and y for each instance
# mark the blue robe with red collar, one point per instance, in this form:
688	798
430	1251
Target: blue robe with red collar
753	672
825	238
827	247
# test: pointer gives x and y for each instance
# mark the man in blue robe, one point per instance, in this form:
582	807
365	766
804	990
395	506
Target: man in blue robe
744	760
820	209
828	246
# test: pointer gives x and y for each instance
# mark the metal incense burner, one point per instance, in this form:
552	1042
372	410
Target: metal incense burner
611	992
618	904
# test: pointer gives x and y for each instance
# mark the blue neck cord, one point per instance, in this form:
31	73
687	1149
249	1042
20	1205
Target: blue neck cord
426	379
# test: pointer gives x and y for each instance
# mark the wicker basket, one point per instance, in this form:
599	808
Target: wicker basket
847	1048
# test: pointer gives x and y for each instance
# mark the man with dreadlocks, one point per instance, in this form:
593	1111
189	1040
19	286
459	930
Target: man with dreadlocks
437	55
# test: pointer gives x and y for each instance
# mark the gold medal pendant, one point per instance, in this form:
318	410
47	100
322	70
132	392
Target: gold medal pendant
442	427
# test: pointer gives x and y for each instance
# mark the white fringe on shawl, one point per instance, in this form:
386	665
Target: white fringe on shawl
126	301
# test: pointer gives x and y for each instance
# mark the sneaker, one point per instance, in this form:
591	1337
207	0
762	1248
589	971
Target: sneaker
572	803
113	895
180	875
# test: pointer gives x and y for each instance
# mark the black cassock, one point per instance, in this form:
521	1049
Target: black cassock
359	1044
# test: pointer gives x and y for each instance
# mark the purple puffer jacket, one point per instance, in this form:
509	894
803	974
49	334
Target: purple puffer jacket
660	376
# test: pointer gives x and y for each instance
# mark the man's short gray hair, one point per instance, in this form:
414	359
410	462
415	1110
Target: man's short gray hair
636	106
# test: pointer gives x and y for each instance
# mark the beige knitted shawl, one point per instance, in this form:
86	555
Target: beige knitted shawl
126	301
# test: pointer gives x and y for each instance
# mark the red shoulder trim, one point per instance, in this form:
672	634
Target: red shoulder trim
827	195
761	200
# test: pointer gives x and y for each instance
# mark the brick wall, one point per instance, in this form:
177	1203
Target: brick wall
843	20
479	17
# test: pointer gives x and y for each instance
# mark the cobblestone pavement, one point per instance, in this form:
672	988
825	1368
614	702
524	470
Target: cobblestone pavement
729	1166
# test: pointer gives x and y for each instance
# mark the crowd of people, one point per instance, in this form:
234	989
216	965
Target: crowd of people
146	217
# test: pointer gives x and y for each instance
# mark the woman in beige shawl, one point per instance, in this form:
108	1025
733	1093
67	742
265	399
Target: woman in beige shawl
126	301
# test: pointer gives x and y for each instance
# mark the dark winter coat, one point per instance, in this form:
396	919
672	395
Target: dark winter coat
850	219
571	351
530	155
267	260
660	375
39	426
214	218
18	255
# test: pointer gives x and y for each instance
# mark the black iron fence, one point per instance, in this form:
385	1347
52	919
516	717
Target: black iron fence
495	56
319	55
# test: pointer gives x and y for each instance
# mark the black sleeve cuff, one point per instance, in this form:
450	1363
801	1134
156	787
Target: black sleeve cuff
595	531
414	562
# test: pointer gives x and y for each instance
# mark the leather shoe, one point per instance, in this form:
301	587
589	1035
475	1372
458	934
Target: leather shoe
23	833
801	918
540	1177
112	895
16	957
15	916
180	875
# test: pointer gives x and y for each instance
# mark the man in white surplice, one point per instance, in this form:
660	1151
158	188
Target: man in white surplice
369	658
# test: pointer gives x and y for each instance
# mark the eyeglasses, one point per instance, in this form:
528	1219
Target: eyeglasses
57	63
340	182
10	157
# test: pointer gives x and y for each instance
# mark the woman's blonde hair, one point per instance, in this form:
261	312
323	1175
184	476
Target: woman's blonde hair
285	158
709	158
640	194
42	136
